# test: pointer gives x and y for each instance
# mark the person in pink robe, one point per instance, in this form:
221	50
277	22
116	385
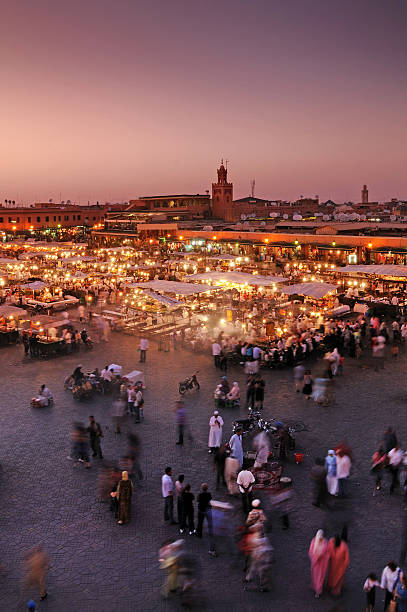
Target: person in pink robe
338	564
319	556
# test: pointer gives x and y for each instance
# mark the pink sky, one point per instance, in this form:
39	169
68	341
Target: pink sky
113	100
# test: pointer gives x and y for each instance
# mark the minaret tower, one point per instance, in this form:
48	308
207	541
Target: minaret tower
222	196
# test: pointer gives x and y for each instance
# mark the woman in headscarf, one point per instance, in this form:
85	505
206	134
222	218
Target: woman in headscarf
338	564
319	557
331	478
123	496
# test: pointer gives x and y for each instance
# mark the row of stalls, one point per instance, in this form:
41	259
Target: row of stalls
191	294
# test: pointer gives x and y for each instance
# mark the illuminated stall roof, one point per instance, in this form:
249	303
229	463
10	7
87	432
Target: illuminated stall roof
171	287
315	290
376	270
238	278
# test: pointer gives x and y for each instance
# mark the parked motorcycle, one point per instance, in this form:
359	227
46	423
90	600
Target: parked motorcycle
189	383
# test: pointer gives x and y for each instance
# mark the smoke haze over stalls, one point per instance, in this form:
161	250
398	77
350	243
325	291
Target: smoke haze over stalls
116	99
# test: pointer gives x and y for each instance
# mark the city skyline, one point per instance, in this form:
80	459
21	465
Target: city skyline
106	102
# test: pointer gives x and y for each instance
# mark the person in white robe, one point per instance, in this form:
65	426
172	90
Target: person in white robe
215	431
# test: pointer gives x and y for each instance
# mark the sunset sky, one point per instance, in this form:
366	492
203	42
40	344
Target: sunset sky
116	99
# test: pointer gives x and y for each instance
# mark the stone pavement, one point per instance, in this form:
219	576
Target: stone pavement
100	566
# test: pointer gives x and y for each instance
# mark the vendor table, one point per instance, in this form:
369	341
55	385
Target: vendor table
57	305
8	337
50	348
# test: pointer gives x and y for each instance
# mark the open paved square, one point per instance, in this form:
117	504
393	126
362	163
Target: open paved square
97	565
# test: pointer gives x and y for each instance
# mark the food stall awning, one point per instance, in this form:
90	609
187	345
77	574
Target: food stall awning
376	270
164	299
78	259
315	290
171	287
225	257
8	260
336	247
239	278
11	311
35	286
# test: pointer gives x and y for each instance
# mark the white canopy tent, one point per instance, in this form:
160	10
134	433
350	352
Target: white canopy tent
77	259
8	260
34	286
315	290
377	270
239	278
11	311
171	287
164	299
225	257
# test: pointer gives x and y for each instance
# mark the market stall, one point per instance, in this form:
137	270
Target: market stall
9	322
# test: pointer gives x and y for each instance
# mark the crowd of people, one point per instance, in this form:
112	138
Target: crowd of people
242	529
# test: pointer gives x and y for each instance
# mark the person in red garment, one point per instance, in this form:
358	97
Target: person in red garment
338	564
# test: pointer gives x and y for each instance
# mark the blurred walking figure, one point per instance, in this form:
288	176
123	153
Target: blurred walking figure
231	469
180	420
37	565
118	410
283	502
318	476
143	349
188	574
319	557
261	445
379	460
95	434
260	558
219	459
124	495
169	557
205	512
395	457
338	564
134	448
256	517
299	372
80	448
105	481
308	381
